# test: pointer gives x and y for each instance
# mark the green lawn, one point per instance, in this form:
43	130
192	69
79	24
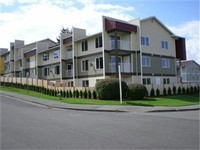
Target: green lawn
178	100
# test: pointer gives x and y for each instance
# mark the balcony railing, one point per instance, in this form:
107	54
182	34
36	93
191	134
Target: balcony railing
121	44
125	67
69	73
27	65
69	54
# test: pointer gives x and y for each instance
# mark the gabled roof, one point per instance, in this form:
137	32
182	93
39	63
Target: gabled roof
186	62
155	18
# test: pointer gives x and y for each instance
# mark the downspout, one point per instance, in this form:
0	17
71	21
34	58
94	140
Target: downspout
141	69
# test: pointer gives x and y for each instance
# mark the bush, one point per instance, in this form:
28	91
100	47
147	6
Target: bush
77	93
157	92
183	90
137	91
94	95
191	90
81	94
152	93
70	94
89	94
108	89
195	90
187	91
85	94
174	90
179	90
67	94
164	91
169	91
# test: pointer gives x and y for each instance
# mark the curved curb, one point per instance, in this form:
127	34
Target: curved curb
175	110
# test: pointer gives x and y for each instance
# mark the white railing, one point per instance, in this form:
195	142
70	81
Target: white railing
69	73
121	44
125	67
69	54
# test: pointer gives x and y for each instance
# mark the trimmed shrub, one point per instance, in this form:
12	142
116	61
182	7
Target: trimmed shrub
108	89
169	91
81	94
94	95
89	94
164	91
157	92
187	91
136	91
174	90
74	94
191	90
64	93
183	90
179	90
152	93
70	94
195	90
85	94
77	93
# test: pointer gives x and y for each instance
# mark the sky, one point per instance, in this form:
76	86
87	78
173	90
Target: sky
34	20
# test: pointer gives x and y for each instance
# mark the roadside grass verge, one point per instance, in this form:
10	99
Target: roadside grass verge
176	100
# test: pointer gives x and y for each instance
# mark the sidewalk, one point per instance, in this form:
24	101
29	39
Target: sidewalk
103	108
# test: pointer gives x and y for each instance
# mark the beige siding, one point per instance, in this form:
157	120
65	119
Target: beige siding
156	33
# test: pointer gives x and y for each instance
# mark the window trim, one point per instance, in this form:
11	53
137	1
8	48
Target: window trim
43	71
47	56
98	59
165	63
56	53
55	69
85	83
145	61
144	41
164	45
98	42
86	68
84	46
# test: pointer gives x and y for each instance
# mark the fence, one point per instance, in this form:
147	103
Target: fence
56	85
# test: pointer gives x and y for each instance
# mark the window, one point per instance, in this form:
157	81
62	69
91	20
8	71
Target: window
146	61
145	41
56	53
165	63
70	84
85	65
166	81
57	69
85	83
45	71
84	46
99	63
146	81
45	56
164	44
98	41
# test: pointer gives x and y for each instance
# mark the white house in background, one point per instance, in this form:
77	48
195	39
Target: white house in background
189	71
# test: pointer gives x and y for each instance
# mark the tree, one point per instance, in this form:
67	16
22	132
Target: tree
64	30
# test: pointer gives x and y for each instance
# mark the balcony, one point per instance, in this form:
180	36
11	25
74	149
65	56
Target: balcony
121	45
125	67
27	65
69	55
69	73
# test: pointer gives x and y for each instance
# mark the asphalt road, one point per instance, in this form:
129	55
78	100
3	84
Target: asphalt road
29	126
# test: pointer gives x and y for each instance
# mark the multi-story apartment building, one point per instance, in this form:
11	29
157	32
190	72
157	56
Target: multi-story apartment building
146	51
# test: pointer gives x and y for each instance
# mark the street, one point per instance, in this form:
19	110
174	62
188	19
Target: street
29	126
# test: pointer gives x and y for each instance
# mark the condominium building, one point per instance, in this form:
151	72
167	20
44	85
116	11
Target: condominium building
145	49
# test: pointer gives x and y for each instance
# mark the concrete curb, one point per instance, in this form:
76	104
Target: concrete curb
98	108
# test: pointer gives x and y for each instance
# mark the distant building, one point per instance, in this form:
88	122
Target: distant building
189	71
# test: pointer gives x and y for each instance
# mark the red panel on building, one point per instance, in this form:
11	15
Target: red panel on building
31	53
67	40
116	25
180	49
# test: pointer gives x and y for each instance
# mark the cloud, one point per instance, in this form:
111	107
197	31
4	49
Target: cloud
33	20
190	30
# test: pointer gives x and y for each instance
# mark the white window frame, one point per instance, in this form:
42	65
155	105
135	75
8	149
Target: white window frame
83	65
98	42
56	54
84	46
55	69
145	41
165	63
47	56
43	71
98	59
164	45
146	61
85	83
